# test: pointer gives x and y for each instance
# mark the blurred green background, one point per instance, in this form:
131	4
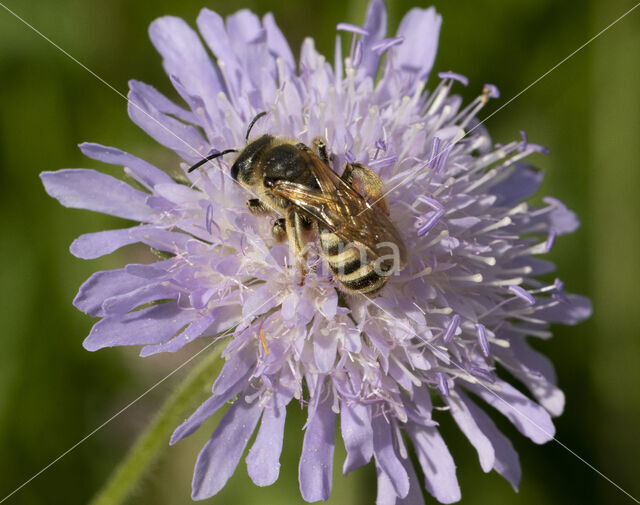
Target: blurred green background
53	392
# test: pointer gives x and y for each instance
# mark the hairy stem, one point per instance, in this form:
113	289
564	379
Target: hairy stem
193	389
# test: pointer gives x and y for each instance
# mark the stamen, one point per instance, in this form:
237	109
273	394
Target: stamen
442	158
468	278
357	53
485	374
348	27
487	260
506	282
443	234
491	91
426	226
525	270
435	150
422	273
489	175
438	96
209	218
454	76
263	341
505	221
481	333
451	328
383	162
442	384
386	44
523	294
525	141
551	238
522	207
444	310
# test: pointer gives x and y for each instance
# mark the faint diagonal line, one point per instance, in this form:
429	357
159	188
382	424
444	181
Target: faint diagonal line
515	409
374	303
89	435
566	58
115	90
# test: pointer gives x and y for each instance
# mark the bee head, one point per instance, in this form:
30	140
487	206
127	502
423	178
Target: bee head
244	166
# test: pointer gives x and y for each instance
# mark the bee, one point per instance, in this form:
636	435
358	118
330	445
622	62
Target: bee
346	214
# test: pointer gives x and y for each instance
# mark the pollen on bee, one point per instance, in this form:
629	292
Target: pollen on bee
263	341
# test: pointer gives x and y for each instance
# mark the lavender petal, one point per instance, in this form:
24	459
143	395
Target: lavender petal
528	417
146	326
263	460
386	457
219	457
316	460
87	189
436	462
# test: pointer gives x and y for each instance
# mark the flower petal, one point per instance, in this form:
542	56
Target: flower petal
93	245
103	285
219	320
182	138
81	188
470	428
421	30
375	25
436	462
571	310
506	461
316	460
184	57
357	434
219	457
260	301
527	416
143	171
263	460
325	346
119	305
386	458
535	371
522	182
415	493
277	43
146	326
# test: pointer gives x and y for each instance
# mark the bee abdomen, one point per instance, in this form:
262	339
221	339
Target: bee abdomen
349	266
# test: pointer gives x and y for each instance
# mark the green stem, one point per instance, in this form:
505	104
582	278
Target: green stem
155	438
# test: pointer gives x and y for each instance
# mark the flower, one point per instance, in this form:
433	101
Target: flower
466	302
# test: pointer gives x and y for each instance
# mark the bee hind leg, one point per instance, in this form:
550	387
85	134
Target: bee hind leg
366	182
256	207
297	230
279	230
320	146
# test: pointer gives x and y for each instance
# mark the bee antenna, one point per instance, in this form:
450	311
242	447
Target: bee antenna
211	157
253	121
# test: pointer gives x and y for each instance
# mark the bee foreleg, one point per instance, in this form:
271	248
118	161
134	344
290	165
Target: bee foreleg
366	182
320	146
256	207
296	232
279	230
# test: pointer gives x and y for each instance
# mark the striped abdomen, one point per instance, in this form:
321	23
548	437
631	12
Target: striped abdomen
350	266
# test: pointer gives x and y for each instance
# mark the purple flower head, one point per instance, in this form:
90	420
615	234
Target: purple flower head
466	302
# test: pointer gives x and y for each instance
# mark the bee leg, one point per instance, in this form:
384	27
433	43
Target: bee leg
320	146
256	207
279	230
366	182
296	233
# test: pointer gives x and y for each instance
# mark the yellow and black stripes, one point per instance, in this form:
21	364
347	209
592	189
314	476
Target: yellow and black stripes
349	265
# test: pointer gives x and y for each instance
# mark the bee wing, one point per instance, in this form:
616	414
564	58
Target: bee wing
342	210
